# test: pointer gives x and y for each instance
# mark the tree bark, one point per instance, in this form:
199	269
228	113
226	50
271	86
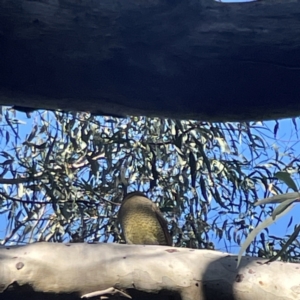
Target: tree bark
182	59
71	271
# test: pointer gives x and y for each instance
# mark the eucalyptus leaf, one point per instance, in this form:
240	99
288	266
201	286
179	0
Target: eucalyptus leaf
289	242
281	207
278	198
286	178
250	238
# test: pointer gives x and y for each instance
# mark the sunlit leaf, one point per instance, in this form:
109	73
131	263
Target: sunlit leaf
279	198
223	144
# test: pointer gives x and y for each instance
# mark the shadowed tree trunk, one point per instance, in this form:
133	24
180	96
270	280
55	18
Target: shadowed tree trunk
187	59
47	270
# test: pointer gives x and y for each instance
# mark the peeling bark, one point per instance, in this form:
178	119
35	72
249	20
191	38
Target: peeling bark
148	272
183	59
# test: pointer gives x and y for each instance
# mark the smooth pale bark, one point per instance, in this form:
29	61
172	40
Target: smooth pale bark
193	59
188	274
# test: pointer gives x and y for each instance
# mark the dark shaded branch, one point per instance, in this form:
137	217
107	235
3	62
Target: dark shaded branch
183	59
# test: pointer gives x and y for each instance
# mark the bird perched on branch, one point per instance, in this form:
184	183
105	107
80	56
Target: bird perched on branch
142	222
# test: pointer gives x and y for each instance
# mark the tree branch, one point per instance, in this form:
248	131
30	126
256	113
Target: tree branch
188	273
202	59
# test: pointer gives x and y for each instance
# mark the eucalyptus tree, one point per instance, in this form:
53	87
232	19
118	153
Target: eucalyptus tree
63	175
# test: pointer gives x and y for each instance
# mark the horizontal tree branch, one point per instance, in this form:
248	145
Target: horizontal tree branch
182	59
22	179
81	269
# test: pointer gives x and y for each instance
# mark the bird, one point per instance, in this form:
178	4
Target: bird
142	222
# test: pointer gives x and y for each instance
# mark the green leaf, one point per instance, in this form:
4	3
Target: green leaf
193	168
279	198
257	230
282	207
287	244
286	178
